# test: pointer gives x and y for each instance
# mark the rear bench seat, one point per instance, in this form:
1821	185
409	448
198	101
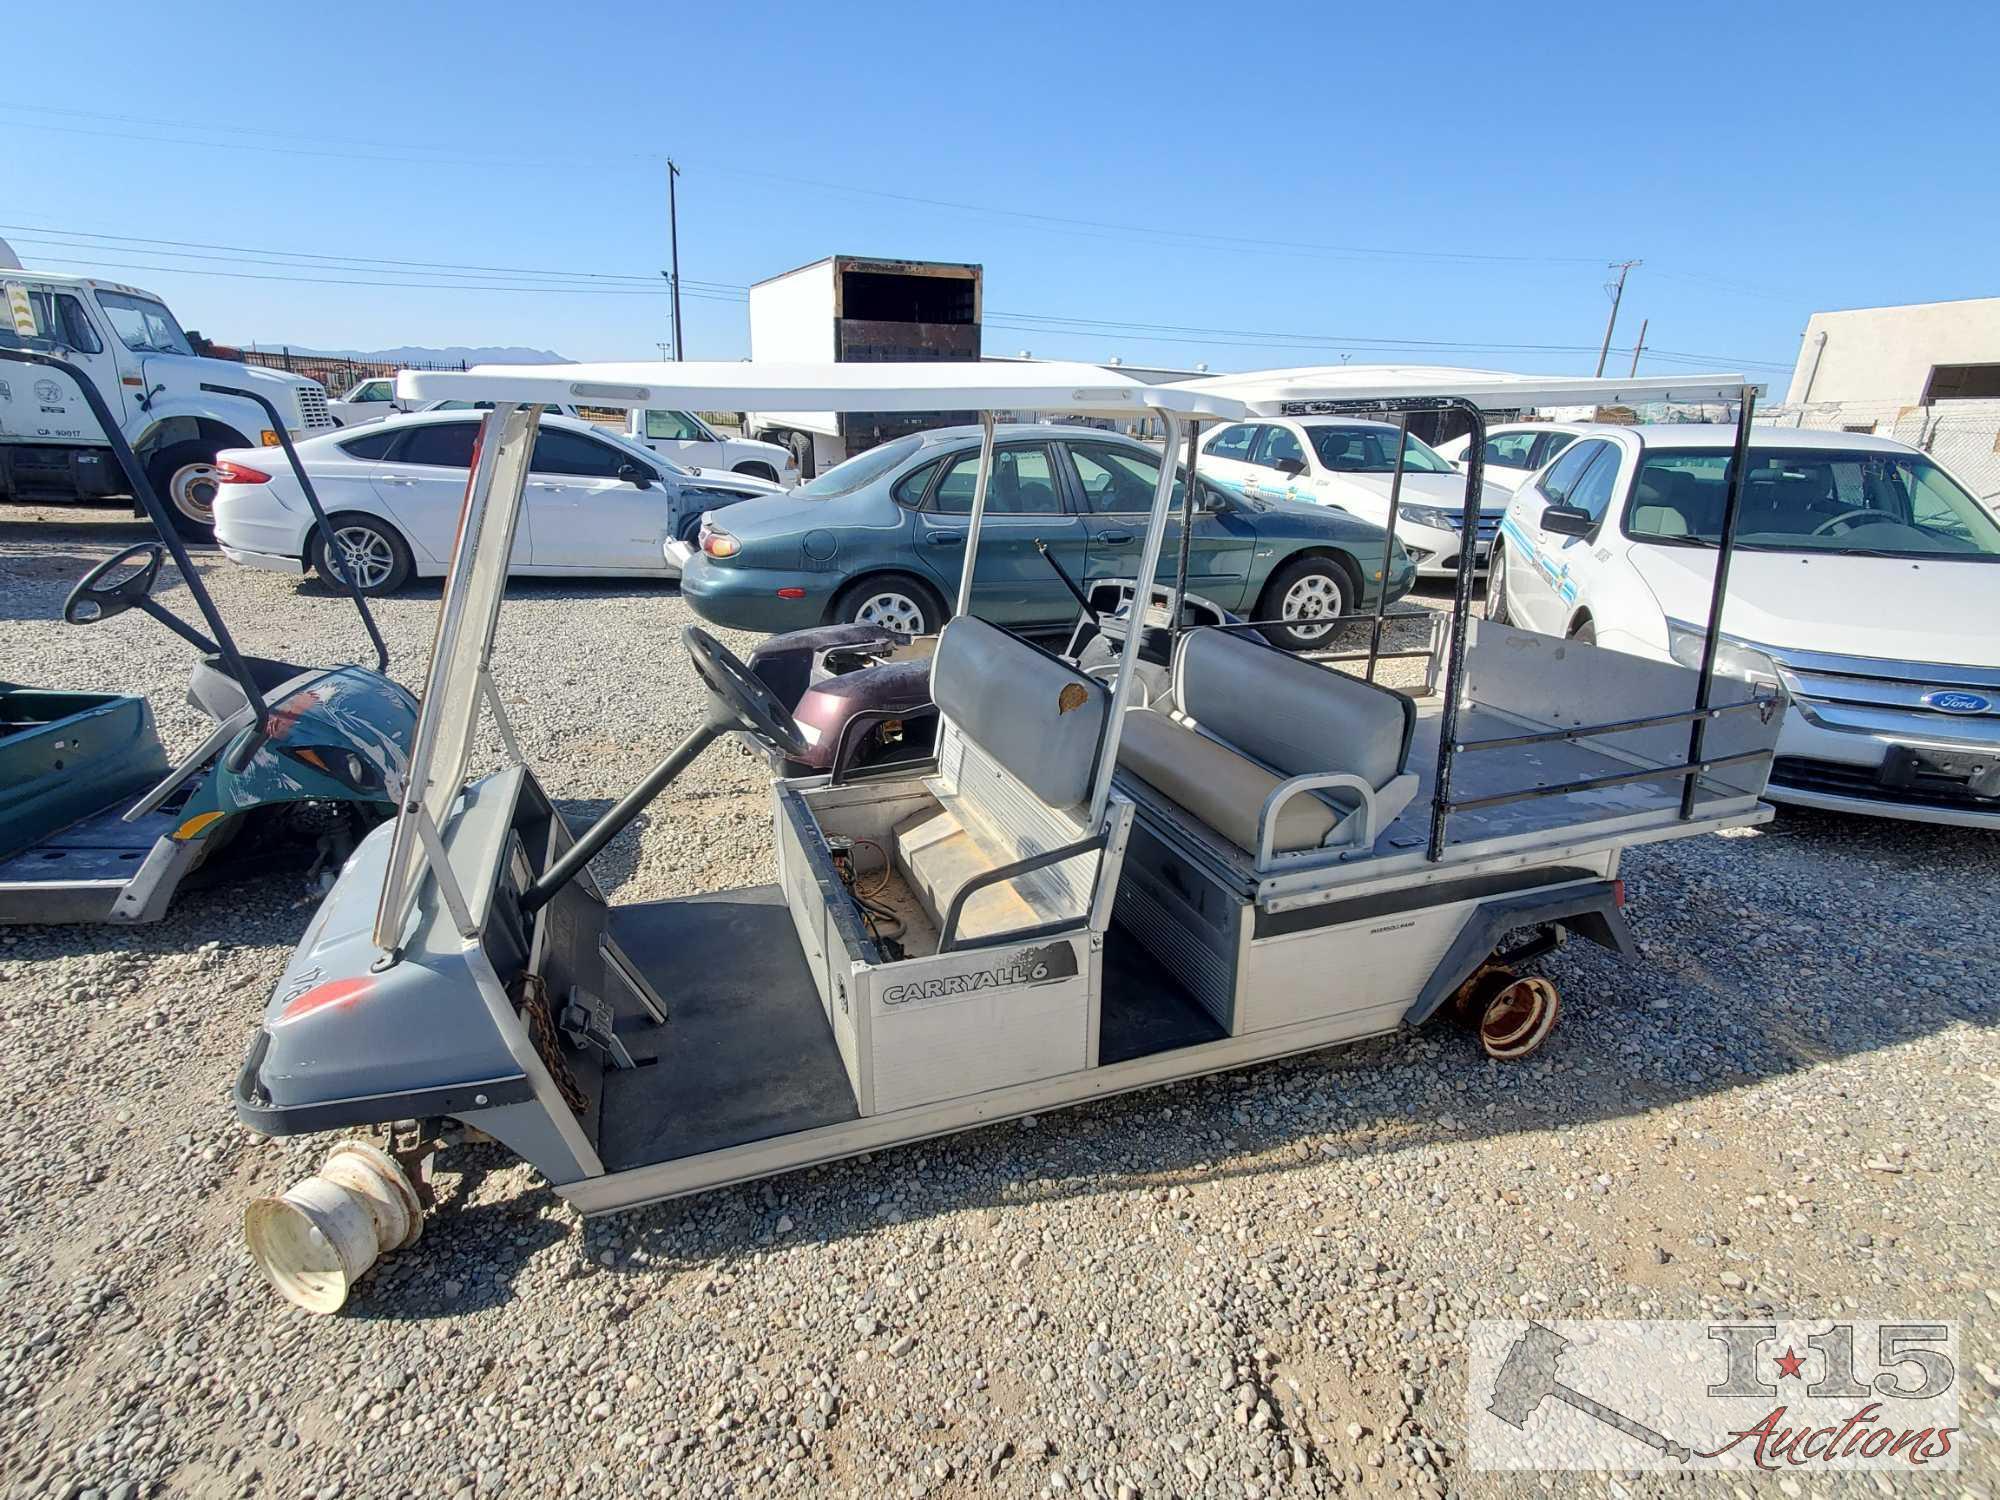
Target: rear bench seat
1019	738
1246	722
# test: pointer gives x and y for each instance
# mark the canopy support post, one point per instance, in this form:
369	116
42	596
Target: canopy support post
1389	543
1190	508
978	515
1732	500
1461	605
1149	566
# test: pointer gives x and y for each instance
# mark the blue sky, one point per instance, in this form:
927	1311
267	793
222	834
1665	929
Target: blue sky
1170	184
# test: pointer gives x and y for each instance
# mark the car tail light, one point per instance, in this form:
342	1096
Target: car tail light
229	473
791	593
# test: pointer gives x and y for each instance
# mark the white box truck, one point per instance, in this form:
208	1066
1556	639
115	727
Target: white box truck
847	307
135	353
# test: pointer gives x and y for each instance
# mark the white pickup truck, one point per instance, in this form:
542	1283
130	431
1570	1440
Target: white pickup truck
133	349
693	444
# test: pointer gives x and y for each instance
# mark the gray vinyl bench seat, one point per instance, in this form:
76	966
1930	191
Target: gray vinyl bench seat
1275	755
1019	736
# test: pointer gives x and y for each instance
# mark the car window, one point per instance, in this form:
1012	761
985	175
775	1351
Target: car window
143	325
62	321
561	452
1024	483
447	445
1591	494
1234	442
863	469
1552	443
1118	480
1275	444
1372	450
375	390
1512	450
674	426
371	446
910	488
1557	483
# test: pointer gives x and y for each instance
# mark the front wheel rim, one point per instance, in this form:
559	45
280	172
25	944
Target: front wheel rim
192	491
1313	597
892	611
1496	589
361	555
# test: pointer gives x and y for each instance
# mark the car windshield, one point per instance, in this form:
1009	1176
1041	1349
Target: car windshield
1372	450
862	469
143	325
1860	502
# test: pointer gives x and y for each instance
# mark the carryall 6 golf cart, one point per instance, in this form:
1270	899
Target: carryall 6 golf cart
1076	896
97	826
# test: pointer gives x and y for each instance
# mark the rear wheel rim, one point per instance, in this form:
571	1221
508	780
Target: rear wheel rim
191	491
1496	588
892	611
362	555
1313	597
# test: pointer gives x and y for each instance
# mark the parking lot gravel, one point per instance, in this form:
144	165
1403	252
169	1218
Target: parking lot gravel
1254	1284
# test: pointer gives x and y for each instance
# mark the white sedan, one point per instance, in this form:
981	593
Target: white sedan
1514	450
596	504
1866	580
1347	463
693	444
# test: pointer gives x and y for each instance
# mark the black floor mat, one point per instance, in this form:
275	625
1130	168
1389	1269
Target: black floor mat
1145	1009
746	1053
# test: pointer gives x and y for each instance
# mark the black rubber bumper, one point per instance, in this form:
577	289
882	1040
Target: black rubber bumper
256	1110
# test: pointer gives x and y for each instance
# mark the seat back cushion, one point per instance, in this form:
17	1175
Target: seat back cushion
1294	716
1216	785
1039	718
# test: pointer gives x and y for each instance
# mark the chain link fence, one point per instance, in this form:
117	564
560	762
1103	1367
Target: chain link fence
1964	436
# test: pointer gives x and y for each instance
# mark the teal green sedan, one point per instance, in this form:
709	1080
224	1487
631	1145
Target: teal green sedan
880	540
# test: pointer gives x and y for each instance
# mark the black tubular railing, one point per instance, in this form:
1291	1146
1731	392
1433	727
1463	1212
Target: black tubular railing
278	426
1688	772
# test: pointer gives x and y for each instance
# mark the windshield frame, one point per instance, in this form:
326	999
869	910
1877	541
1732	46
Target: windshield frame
1913	460
144	306
1412	445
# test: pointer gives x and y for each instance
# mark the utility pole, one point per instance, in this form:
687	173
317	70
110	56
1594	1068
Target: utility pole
674	235
1644	324
1623	268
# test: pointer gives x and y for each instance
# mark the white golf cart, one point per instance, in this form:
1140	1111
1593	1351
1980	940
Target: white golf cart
1078	896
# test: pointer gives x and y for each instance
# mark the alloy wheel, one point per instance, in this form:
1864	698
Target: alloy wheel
362	555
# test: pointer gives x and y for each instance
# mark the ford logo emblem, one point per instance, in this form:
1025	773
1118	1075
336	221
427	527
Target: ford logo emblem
1953	701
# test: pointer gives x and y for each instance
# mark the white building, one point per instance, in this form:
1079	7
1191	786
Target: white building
1927	374
1906	356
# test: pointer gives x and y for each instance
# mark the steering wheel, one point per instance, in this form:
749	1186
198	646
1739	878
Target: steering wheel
1831	521
93	599
741	692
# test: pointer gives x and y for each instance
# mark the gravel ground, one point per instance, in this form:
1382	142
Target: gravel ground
1246	1285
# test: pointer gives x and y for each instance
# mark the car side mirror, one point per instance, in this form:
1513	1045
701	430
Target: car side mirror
634	475
1567	520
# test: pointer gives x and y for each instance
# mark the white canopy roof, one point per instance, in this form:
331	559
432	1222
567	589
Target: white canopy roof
1281	392
941	385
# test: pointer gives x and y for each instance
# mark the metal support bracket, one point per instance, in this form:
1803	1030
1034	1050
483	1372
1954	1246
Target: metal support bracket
500	719
440	863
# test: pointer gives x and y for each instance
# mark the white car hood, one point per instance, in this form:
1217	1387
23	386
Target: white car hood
1447	490
1890	607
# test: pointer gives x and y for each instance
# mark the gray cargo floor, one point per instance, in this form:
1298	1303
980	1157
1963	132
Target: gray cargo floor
746	1054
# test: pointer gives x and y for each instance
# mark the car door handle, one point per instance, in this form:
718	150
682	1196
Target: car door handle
395	479
1115	538
945	538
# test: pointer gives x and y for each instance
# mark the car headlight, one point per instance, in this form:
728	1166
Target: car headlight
719	543
1733	658
1434	516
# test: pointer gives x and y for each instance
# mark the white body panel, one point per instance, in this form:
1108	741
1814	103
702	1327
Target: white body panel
693	444
1860	642
791	318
